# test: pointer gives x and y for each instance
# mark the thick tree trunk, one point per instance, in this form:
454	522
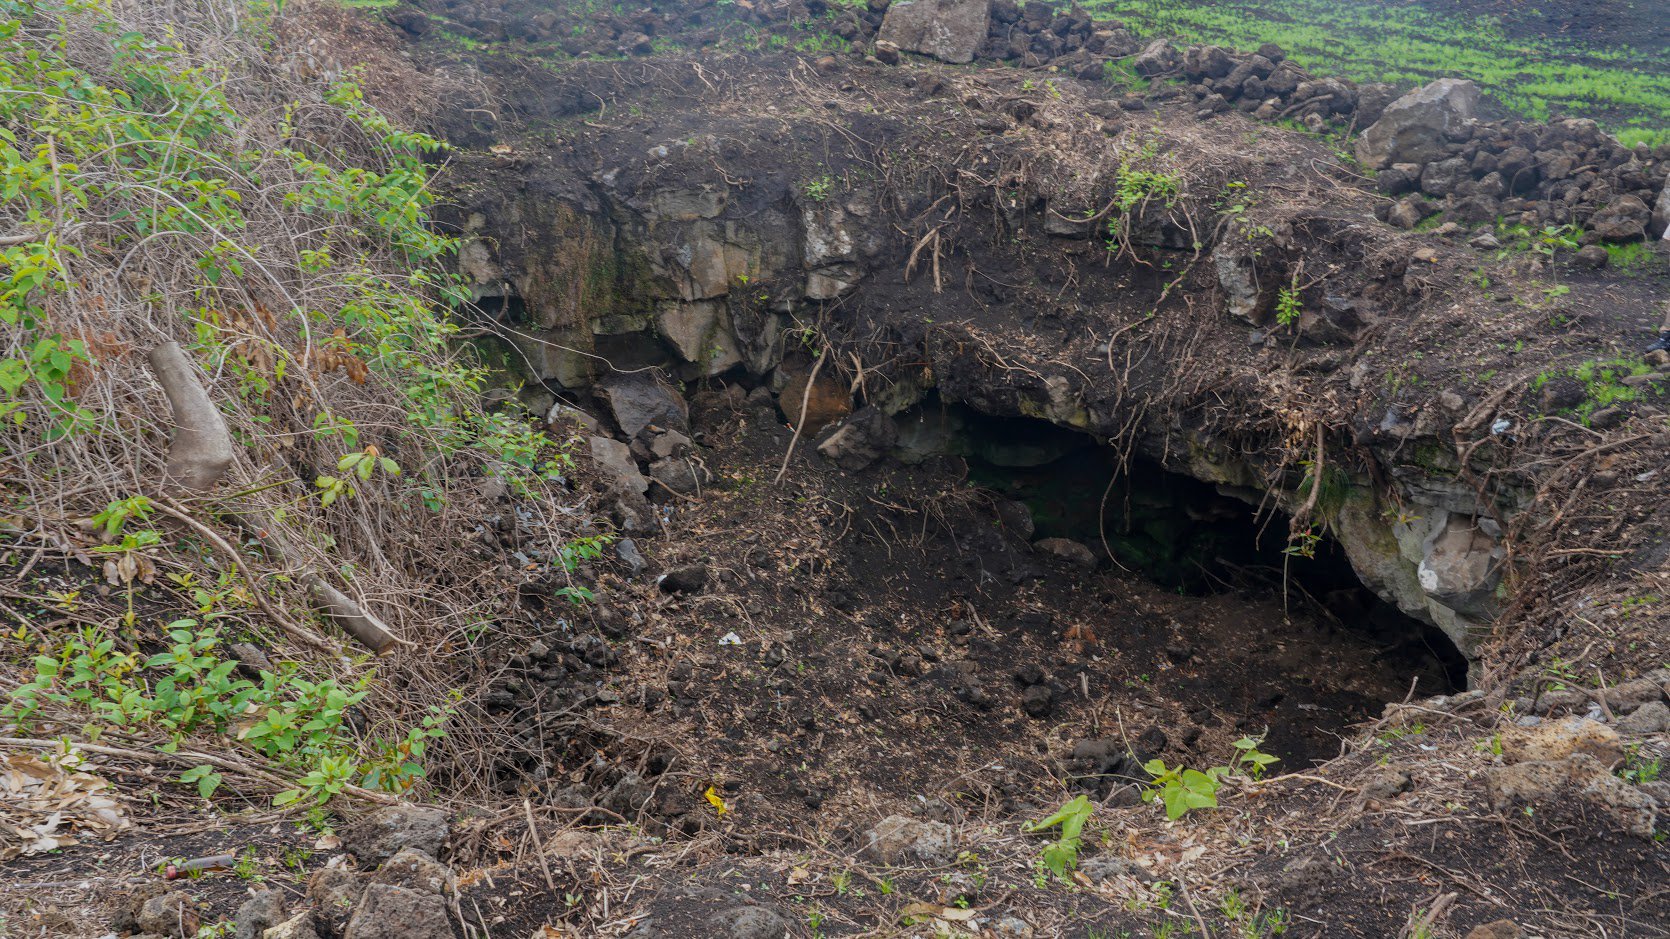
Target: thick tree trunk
201	449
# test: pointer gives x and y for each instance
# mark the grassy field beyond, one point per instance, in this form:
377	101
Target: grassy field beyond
1626	90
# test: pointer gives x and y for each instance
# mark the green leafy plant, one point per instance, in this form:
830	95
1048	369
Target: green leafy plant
1250	760
819	189
119	513
1288	306
1183	790
1064	852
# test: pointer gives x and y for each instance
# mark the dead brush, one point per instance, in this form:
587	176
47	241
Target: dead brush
184	176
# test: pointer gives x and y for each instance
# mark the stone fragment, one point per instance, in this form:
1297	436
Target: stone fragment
899	839
414	870
1415	127
688	579
389	912
614	461
640	398
262	911
1593	257
172	914
949	30
381	834
1555	740
1159	57
860	440
300	926
1623	219
1069	550
1545	782
1650	718
1659	227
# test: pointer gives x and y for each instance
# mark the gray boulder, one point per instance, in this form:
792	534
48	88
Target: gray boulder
1415	127
861	440
261	912
685	477
1069	550
390	912
614	461
639	399
949	30
1157	58
381	834
1650	718
1623	219
707	913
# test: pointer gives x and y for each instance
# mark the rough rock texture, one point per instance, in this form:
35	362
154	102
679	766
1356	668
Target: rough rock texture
1660	227
688	579
1157	58
381	834
1462	566
1237	275
1623	219
262	911
300	926
1414	128
1650	718
1069	550
707	913
414	870
614	460
1540	782
862	439
170	914
389	912
1556	740
949	30
901	840
639	399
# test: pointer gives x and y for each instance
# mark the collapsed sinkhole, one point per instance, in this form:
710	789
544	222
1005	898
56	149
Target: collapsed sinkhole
1184	534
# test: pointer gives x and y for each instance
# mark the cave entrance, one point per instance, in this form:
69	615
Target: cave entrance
1190	536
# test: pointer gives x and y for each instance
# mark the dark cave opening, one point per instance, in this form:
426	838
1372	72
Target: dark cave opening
1182	533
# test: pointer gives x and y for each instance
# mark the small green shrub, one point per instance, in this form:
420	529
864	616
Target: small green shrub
1288	306
1064	852
1183	790
819	189
189	689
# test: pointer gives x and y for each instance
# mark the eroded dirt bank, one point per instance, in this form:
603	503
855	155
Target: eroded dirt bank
971	437
1026	245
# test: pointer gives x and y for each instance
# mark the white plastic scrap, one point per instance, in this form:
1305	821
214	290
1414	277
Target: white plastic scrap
1500	427
730	639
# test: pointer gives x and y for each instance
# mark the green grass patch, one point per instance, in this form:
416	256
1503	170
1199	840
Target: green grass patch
1625	89
1603	383
1634	256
